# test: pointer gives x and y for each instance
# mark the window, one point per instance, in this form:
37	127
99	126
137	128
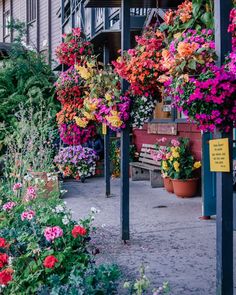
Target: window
6	22
31	10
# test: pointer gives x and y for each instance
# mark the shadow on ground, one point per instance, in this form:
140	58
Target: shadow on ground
167	236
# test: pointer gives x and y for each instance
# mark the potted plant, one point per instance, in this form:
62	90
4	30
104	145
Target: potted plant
163	154
181	166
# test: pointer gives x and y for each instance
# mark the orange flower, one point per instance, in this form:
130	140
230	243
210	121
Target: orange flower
169	17
186	49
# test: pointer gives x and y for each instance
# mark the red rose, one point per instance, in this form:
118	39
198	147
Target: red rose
2	243
6	276
3	259
78	231
50	261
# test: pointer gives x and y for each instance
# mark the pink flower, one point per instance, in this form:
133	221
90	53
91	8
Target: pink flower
8	206
31	193
17	186
29	215
51	233
175	142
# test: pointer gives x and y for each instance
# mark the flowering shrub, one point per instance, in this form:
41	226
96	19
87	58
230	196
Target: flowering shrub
176	159
45	255
142	66
207	99
72	134
76	161
74	48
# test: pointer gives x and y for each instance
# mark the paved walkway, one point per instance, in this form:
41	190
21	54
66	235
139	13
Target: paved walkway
166	235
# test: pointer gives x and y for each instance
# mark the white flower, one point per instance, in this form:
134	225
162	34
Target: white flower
103	225
27	177
65	220
59	209
10	260
94	210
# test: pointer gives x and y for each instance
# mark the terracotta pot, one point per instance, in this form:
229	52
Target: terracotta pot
168	184
185	188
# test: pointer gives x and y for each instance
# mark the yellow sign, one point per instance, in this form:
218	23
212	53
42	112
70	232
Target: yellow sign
219	155
104	129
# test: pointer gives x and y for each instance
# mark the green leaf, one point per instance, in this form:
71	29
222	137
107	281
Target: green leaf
192	64
196	7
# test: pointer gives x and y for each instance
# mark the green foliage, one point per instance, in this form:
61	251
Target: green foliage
142	285
25	79
115	156
75	271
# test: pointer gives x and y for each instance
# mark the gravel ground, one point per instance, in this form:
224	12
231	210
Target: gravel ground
167	236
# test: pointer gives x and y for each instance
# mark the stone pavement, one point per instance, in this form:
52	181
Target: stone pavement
166	235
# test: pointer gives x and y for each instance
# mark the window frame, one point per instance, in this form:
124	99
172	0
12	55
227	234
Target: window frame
6	21
31	8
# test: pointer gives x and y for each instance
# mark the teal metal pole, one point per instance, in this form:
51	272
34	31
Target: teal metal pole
125	134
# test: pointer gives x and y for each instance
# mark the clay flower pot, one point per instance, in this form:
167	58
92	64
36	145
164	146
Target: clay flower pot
168	184
185	188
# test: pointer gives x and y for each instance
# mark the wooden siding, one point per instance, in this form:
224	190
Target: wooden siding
19	12
56	28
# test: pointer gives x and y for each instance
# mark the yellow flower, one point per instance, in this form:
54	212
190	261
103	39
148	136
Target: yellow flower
114	119
197	165
171	158
84	72
175	154
88	115
108	96
176	166
177	35
165	165
81	122
91	104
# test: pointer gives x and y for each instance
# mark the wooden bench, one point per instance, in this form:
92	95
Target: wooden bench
147	168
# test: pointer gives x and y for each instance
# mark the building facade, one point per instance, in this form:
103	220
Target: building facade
42	19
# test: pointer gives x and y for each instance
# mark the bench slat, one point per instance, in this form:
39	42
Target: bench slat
149	161
145	166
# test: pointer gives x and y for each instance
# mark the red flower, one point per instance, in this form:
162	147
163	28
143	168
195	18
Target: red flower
78	231
3	259
2	243
6	276
50	261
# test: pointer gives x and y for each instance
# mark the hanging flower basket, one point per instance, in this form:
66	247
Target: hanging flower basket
208	100
76	161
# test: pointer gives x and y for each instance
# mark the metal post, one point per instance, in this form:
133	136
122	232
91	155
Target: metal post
224	188
208	180
62	16
107	138
125	137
